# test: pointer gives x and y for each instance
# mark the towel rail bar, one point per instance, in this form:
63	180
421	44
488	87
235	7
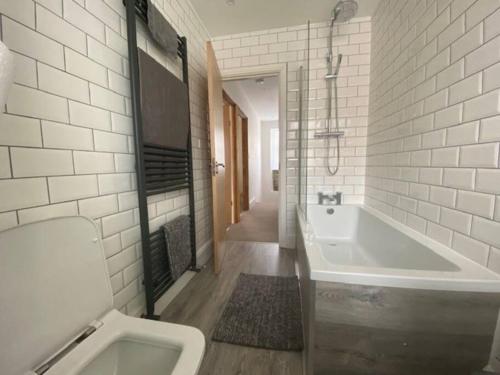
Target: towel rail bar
168	190
158	170
166	171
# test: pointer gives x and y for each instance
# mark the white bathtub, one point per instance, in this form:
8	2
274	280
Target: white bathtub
358	245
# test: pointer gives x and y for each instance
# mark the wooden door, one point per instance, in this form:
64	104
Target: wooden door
216	118
245	204
242	162
239	163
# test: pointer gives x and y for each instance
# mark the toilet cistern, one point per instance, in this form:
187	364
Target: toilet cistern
57	315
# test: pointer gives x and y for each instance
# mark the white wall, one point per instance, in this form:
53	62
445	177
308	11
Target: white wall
236	93
287	46
434	131
268	195
66	140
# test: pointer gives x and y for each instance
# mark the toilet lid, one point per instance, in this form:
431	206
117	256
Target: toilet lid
53	283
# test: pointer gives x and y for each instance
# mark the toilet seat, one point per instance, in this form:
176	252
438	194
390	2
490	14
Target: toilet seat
54	285
117	327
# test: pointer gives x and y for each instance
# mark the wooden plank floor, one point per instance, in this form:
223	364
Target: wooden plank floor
259	224
201	302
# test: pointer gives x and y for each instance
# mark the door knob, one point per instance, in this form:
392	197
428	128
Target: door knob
215	166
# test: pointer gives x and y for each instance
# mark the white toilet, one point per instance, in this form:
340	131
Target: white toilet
57	316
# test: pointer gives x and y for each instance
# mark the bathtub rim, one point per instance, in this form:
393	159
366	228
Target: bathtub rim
472	277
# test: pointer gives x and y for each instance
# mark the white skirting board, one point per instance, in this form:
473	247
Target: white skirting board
203	255
252	202
173	291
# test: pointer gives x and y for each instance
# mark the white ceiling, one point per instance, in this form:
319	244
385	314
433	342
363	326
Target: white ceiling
263	97
252	15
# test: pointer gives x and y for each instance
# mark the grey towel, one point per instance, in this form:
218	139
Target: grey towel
178	239
161	30
164	104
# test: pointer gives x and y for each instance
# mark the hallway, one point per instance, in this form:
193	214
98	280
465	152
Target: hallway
202	301
259	224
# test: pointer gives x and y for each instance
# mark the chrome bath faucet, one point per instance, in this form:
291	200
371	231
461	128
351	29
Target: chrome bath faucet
337	198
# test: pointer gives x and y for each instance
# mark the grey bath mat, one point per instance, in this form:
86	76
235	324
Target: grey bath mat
263	312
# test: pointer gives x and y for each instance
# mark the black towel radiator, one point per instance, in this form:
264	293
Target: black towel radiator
159	170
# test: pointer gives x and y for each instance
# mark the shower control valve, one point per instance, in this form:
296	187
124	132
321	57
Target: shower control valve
336	198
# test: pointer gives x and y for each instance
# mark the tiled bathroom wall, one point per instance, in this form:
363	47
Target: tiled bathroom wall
287	46
66	139
434	131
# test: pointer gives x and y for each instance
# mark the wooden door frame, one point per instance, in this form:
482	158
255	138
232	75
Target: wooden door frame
234	170
280	70
232	176
228	110
231	168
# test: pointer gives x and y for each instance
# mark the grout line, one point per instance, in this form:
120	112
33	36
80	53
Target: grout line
11	168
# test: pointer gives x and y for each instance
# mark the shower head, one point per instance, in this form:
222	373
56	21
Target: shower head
344	10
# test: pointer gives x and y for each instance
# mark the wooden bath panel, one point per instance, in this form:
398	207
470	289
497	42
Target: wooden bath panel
396	331
307	300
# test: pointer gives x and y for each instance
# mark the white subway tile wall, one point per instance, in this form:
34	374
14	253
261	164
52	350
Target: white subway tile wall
288	46
66	145
424	149
434	120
